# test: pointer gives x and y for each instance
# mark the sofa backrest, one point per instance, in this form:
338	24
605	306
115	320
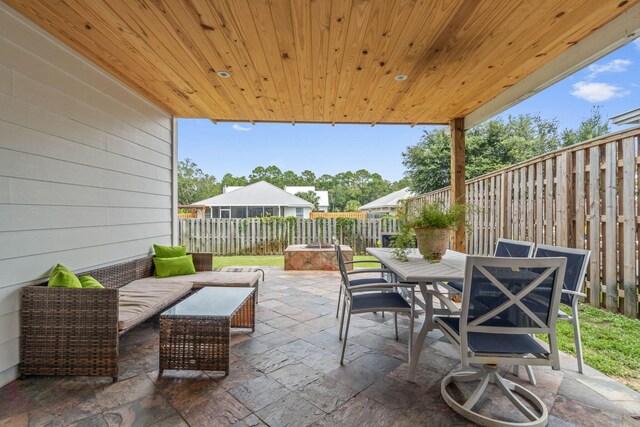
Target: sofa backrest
118	275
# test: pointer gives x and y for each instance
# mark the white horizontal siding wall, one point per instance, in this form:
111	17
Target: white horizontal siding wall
288	211
86	169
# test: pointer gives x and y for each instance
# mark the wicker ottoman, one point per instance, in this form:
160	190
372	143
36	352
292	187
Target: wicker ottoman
194	334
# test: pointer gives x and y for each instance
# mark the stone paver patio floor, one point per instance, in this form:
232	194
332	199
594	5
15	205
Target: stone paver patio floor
287	373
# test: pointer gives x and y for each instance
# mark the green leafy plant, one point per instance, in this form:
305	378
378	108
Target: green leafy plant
437	215
405	239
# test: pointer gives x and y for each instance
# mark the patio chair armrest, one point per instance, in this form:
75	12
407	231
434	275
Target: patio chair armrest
576	293
374	286
446	285
364	260
369	270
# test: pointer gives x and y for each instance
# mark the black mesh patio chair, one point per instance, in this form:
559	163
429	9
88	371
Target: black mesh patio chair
505	248
371	298
357	282
505	301
577	261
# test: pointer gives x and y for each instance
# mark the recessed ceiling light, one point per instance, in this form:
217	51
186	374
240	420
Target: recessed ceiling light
223	74
400	77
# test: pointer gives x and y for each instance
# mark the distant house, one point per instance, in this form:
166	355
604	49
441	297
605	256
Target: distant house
256	200
386	205
323	196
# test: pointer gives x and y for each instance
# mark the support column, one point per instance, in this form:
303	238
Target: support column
457	178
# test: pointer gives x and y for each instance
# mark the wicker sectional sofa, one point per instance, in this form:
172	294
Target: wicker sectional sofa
76	331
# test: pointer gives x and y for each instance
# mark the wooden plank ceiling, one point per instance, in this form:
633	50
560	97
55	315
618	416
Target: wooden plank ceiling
329	61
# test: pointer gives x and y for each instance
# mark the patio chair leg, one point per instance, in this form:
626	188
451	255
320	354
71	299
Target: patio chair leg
530	374
537	417
395	322
411	325
344	308
346	332
339	298
576	334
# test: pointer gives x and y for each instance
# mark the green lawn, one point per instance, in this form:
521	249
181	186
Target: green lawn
274	260
610	343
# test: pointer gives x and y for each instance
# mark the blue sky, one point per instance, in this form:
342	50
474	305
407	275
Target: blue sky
612	83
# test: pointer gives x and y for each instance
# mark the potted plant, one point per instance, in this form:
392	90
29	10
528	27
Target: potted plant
433	225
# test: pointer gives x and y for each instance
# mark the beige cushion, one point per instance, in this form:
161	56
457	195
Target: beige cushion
143	298
219	278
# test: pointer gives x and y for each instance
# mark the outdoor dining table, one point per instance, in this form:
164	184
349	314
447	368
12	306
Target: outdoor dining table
424	274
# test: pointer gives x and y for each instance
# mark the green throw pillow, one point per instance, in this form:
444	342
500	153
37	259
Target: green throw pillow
169	251
90	282
177	266
62	277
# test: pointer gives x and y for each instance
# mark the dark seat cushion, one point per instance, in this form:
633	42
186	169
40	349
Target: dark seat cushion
495	343
379	301
456	285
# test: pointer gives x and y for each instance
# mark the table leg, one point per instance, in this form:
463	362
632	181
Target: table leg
427	325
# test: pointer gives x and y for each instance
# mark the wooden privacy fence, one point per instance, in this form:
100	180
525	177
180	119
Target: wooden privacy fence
583	196
337	215
271	236
187	215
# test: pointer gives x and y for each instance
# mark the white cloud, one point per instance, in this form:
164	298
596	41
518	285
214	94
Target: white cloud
597	92
615	66
241	128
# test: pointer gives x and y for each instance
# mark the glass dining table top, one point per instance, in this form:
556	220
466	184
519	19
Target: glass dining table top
212	301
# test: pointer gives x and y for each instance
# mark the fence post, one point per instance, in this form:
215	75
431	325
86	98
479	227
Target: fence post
594	226
628	198
611	227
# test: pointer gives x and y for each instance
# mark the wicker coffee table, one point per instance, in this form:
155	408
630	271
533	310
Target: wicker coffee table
194	334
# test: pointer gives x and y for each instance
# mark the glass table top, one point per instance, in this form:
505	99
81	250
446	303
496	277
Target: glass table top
211	301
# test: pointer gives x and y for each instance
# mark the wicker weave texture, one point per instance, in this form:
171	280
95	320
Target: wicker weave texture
203	261
202	342
197	343
75	331
118	275
69	331
245	315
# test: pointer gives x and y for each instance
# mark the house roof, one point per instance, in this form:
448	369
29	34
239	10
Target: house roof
629	118
257	194
388	201
392	61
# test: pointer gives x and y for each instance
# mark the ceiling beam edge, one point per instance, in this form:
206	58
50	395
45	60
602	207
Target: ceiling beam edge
615	34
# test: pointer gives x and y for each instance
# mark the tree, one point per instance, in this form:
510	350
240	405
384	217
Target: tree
360	186
311	197
591	127
491	146
228	180
352	206
307	177
428	162
194	184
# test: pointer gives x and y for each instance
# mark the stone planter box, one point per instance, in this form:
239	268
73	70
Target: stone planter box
299	257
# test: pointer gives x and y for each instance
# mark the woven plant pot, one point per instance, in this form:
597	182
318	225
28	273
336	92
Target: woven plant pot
432	242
